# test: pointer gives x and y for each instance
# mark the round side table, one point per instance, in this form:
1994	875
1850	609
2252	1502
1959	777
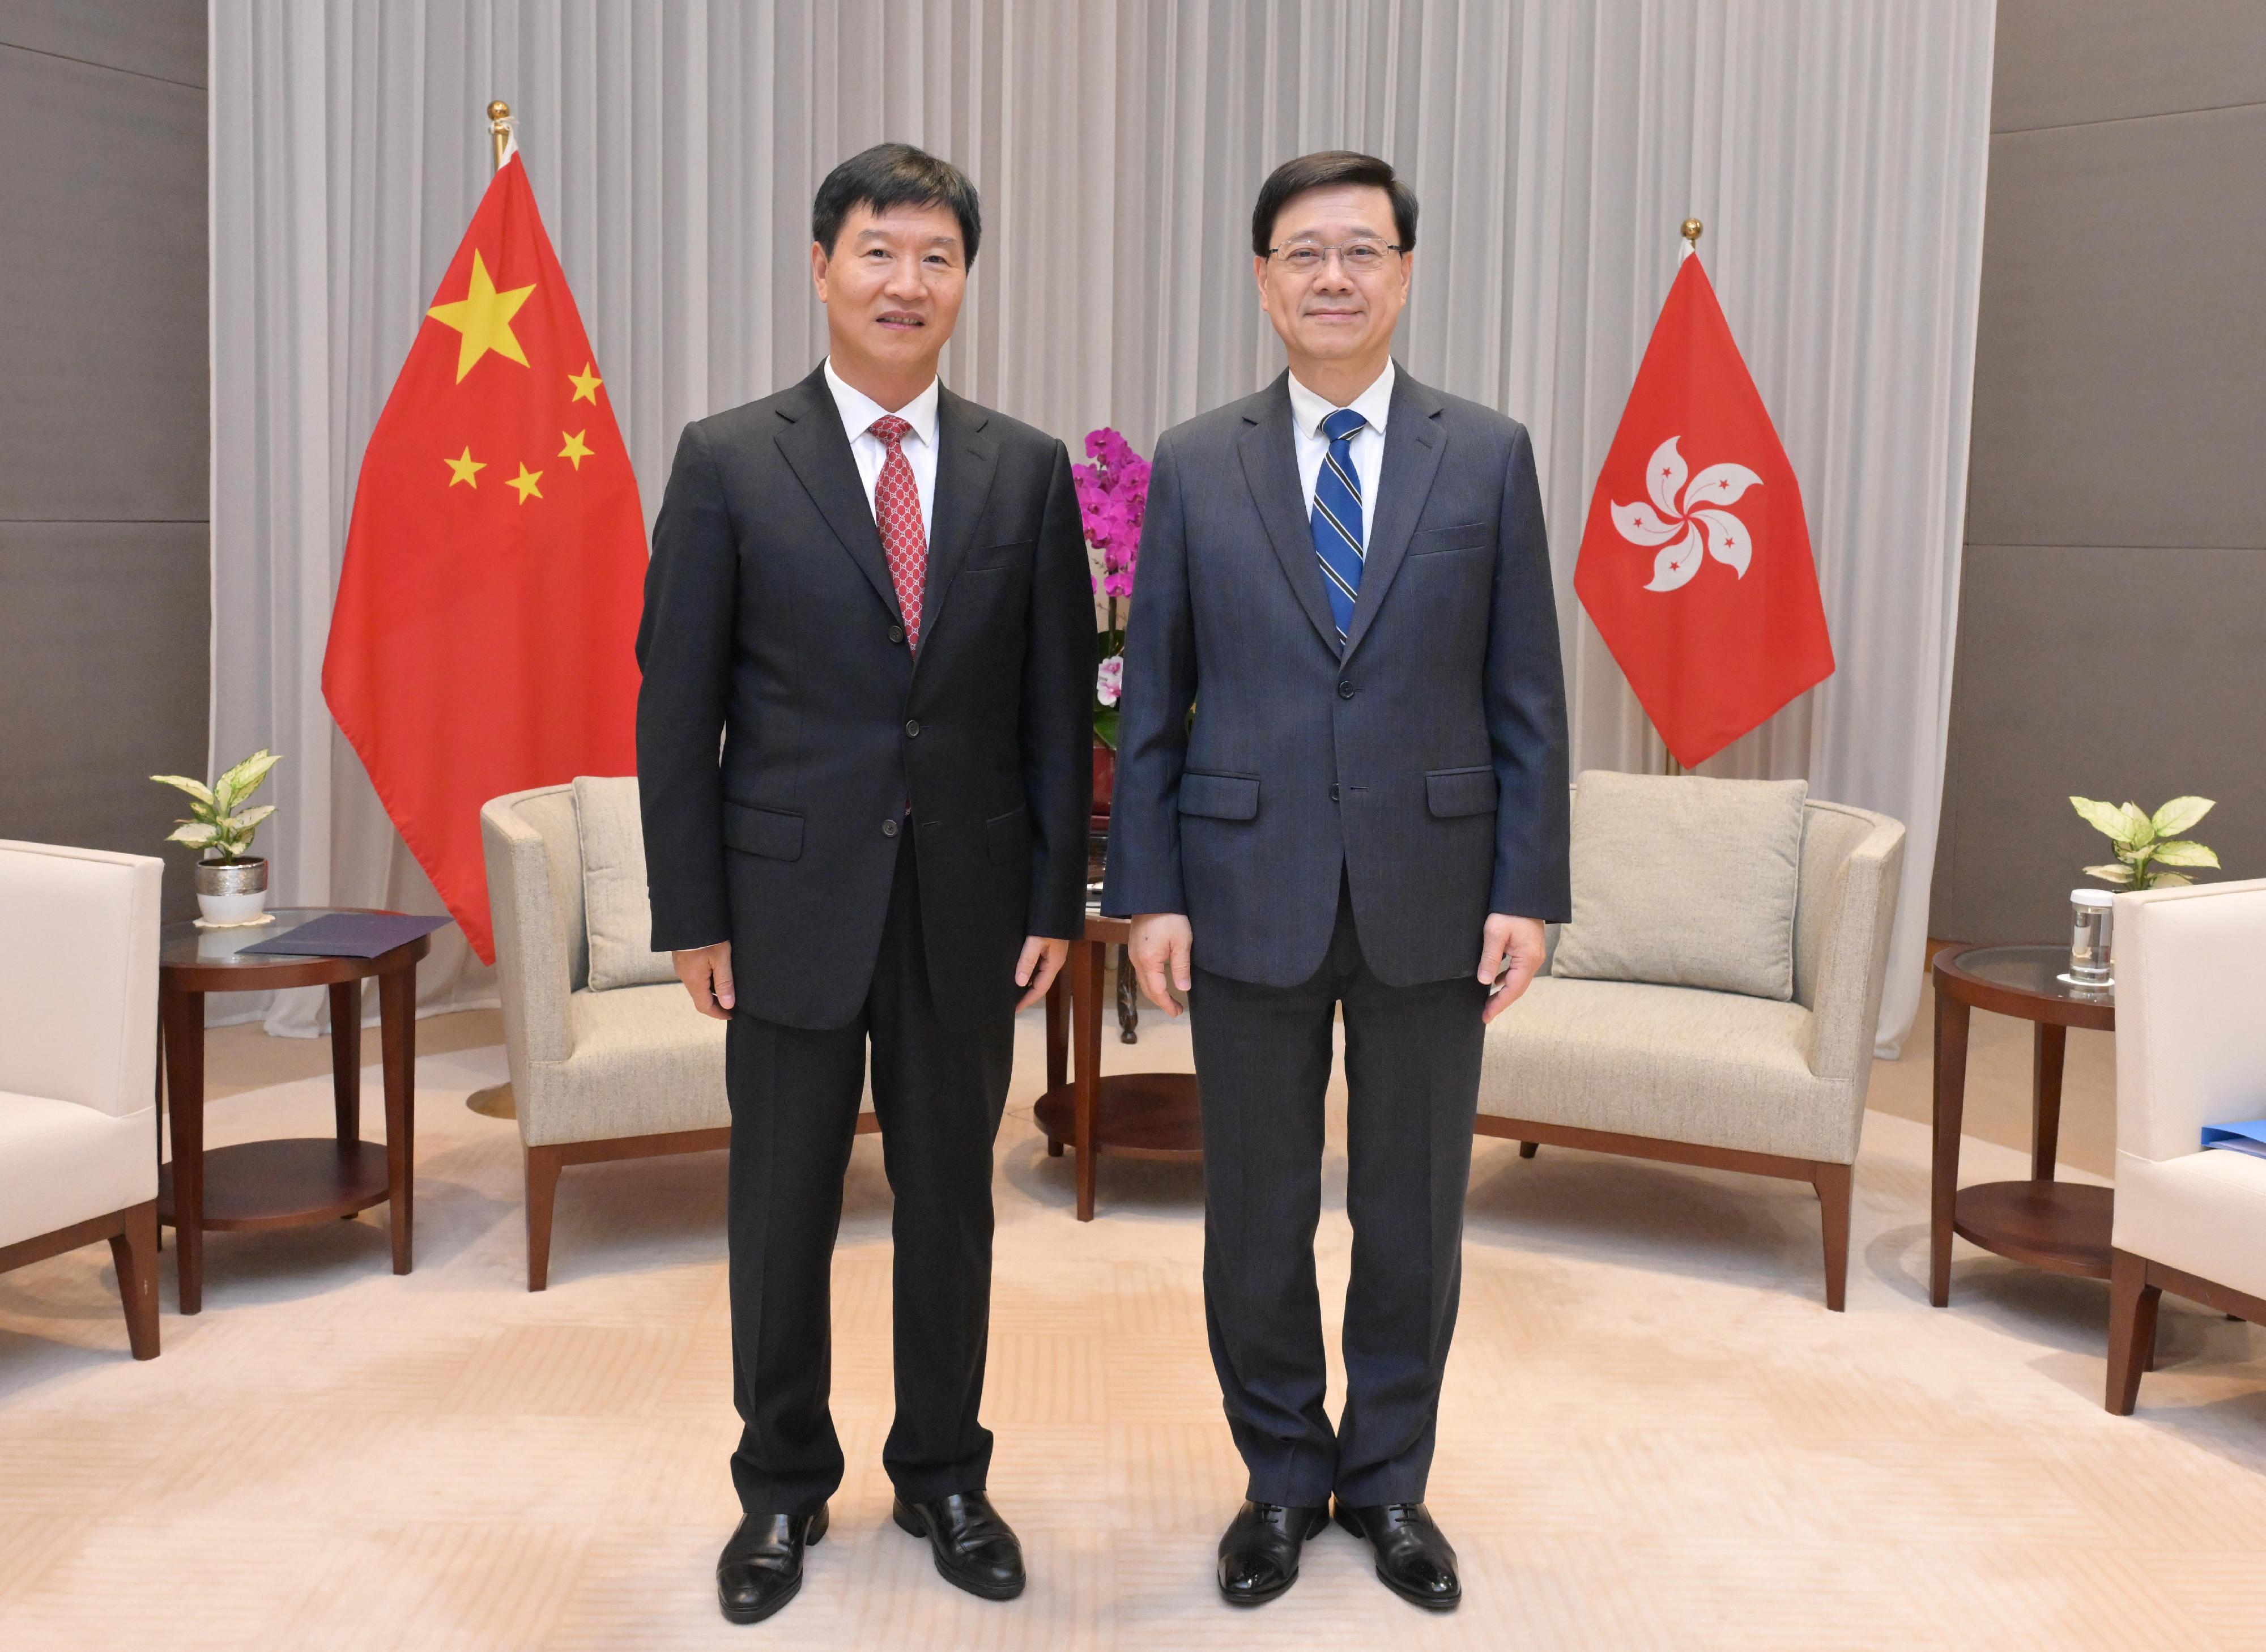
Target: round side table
2060	1225
298	1180
1131	1115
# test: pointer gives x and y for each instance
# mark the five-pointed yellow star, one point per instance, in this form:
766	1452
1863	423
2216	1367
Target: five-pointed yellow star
525	482
575	448
483	315
467	469
585	385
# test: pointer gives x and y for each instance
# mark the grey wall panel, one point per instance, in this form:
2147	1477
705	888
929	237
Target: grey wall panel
160	38
2060	62
2122	343
103	629
2113	673
103	400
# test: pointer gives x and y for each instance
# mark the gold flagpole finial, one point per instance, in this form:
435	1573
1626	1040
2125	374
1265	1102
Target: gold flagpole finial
499	128
1691	232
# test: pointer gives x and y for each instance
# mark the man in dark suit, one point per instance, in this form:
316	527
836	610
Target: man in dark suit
875	595
1346	576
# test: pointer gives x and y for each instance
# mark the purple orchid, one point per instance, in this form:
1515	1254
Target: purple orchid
1113	496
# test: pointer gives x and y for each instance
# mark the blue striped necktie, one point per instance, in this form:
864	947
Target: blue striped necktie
1336	521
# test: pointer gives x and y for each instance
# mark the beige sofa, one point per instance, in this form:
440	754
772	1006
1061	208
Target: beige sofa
628	1072
78	1054
1719	1079
2190	1051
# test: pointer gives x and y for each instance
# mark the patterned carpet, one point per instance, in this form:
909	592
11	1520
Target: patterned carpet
1654	1435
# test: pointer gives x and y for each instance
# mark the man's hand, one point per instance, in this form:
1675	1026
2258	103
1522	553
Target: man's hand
1042	961
706	972
1159	946
1510	951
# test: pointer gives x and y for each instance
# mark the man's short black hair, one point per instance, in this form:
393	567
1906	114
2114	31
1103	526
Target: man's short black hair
1323	170
894	175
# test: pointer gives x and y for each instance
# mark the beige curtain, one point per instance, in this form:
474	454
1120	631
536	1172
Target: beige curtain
1836	153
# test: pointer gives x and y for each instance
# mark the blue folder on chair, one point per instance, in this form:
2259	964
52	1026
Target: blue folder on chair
2249	1137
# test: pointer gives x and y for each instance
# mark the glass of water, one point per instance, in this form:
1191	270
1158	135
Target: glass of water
2090	913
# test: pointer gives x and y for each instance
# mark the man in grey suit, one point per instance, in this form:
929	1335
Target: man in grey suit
1346	576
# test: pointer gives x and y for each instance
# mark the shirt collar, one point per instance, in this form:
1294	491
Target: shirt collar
1308	409
859	410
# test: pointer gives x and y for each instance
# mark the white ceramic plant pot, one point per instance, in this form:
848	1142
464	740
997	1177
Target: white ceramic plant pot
232	891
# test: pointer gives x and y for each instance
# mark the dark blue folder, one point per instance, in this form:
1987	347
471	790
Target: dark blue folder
349	935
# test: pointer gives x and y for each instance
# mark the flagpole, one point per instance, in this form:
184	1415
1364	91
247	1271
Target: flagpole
499	130
1691	230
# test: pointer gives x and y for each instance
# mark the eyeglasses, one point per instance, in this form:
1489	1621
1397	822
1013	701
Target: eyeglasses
1360	257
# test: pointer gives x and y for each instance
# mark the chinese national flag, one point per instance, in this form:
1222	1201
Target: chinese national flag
1695	563
487	612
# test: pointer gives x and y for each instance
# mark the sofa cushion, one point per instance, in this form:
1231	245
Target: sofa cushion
1683	881
1670	1064
61	1163
615	914
646	1062
2203	1213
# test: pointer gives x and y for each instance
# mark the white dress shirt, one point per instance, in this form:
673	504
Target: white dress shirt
859	410
1307	412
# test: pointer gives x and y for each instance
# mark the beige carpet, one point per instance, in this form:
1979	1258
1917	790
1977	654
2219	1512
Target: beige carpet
1654	1435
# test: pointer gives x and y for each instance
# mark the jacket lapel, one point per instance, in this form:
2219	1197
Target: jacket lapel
1414	445
817	450
1270	467
966	458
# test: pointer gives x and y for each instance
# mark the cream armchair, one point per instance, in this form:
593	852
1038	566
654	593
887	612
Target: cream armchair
2190	1051
78	1054
597	1073
1718	1078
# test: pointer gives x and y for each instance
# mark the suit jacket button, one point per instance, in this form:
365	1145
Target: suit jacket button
1345	691
897	633
1333	791
913	727
888	829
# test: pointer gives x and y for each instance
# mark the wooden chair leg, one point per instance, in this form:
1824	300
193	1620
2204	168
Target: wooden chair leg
543	1164
135	1254
2131	1329
1527	1150
1834	1185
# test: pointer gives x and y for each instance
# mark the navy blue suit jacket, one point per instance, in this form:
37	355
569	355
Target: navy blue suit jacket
1424	763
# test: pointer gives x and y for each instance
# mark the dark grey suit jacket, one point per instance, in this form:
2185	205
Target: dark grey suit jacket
1426	764
771	620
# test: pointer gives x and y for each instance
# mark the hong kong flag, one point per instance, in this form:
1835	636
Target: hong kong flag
486	619
1695	563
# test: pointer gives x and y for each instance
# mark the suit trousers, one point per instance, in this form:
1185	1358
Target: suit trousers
939	1090
1412	1062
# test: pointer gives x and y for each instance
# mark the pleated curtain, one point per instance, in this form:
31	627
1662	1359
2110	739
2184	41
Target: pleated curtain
1835	152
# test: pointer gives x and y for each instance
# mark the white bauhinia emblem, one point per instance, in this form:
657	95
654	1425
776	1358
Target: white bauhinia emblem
1685	522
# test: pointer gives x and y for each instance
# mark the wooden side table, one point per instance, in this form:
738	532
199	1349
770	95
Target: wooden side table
2061	1226
1132	1116
297	1181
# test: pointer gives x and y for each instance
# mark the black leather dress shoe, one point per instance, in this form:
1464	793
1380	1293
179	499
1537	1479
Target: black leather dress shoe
1413	1560
761	1567
975	1550
1259	1550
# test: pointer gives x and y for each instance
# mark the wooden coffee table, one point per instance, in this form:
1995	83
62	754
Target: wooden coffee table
2061	1226
1132	1116
296	1180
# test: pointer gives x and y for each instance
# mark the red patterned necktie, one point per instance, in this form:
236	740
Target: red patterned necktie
897	511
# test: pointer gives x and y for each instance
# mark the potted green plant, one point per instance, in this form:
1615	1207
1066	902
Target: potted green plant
2147	844
231	882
